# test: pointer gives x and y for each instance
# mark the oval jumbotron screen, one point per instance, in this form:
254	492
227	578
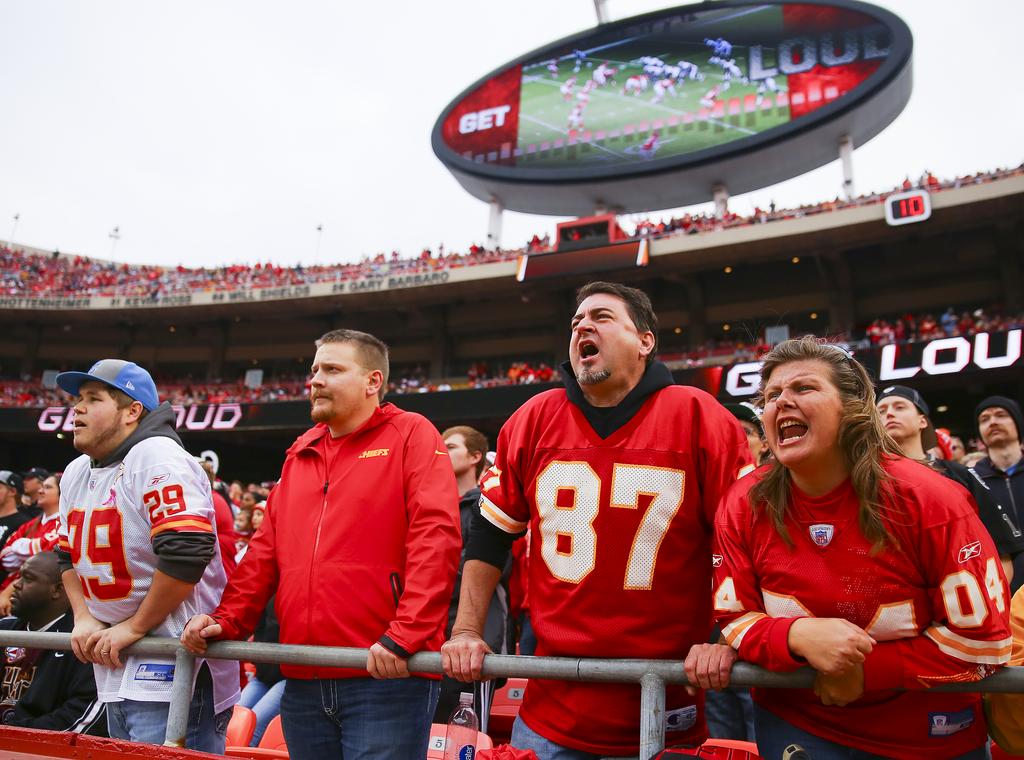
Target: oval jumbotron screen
652	111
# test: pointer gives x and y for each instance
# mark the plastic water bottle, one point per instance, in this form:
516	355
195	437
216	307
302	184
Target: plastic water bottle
463	729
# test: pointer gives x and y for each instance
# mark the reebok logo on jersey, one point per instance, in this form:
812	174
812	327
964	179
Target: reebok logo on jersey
716	560
968	552
159	479
370	453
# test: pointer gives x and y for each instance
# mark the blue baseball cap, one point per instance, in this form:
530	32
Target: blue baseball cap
127	377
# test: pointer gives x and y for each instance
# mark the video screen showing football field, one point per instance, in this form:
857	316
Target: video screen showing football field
648	97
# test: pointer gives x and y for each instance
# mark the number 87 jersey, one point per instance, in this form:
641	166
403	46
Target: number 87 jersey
620	561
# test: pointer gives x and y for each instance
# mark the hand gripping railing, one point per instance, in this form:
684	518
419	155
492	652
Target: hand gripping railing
652	675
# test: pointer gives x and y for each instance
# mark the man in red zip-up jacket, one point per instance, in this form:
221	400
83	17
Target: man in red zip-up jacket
361	543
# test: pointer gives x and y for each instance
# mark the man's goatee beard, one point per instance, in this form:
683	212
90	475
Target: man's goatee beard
592	377
319	416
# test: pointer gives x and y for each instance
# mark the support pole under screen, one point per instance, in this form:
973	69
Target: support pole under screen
494	225
720	194
846	157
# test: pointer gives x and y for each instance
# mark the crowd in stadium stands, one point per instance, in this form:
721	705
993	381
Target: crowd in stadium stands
907	328
249	506
691	224
915	327
28	274
405	551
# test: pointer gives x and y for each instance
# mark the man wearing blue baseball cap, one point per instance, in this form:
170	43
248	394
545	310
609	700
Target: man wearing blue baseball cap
139	553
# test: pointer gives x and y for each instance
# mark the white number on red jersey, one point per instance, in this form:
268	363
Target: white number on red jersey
568	497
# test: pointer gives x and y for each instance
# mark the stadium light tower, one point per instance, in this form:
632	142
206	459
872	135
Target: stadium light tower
14	229
599	9
114	235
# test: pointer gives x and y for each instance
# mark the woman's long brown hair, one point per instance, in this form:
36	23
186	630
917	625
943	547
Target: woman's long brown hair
862	438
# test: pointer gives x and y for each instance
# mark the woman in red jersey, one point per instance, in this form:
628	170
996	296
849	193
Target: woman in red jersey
866	566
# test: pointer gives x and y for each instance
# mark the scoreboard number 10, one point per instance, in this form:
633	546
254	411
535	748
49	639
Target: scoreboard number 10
909	207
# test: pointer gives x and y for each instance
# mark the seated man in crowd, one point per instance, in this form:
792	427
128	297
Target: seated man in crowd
43	688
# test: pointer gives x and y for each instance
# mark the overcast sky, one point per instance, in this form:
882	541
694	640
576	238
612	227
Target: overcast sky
214	131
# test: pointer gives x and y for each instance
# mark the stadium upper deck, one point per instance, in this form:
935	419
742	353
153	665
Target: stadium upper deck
825	269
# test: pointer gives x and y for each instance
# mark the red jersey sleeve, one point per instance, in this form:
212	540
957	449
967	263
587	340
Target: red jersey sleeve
253	582
22	531
969	636
433	539
738	604
502	501
226	535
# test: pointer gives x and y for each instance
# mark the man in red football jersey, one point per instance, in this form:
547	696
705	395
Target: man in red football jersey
617	476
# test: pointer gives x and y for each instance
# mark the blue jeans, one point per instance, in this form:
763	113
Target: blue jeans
730	713
147	722
358	718
774	735
524	737
263	700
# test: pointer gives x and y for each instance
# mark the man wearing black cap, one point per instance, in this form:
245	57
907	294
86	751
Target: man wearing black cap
999	422
10	497
750	421
139	553
905	416
33	481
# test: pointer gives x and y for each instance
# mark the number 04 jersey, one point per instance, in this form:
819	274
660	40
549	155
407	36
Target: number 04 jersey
109	518
935	600
620	560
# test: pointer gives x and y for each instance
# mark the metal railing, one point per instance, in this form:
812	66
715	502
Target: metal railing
652	675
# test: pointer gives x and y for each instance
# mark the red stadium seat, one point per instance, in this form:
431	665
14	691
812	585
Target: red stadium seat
729	749
505	707
256	753
273	737
717	749
438	734
242	727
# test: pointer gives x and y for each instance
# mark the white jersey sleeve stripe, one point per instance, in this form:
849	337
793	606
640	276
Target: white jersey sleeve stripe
970	650
737	629
498	518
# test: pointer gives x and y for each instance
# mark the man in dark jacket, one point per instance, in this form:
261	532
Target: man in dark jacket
43	688
1000	423
467	448
905	416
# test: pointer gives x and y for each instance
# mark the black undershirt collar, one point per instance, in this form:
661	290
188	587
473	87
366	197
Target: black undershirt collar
607	419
